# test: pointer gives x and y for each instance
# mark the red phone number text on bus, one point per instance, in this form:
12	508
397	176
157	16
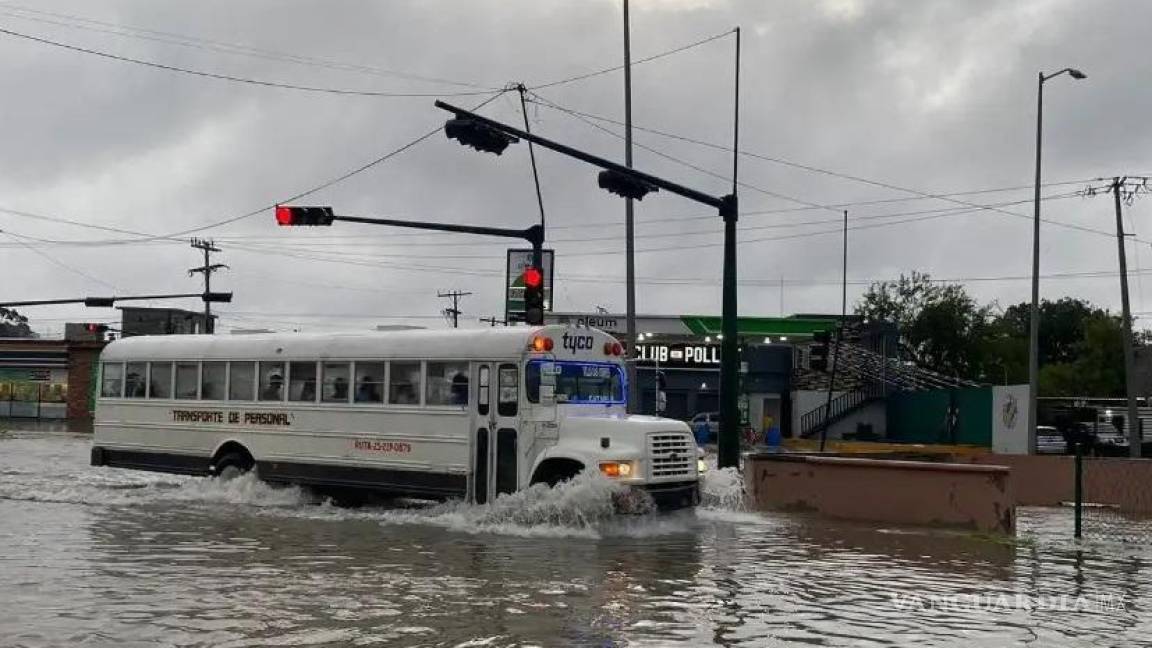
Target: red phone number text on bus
398	447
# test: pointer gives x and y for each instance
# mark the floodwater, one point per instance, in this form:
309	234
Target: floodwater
107	557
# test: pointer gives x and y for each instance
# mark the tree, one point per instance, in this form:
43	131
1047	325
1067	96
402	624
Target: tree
1097	364
14	325
1062	326
941	327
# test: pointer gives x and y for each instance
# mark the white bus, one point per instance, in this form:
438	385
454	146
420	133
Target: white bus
467	414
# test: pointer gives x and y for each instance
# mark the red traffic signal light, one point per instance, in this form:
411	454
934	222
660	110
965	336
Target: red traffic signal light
291	216
533	278
96	329
533	296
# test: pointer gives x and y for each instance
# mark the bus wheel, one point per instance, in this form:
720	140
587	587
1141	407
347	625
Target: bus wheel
233	465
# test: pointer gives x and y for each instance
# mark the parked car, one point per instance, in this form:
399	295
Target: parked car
1111	441
1049	440
711	419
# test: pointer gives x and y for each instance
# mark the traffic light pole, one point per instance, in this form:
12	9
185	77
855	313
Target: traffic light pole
108	302
534	235
729	451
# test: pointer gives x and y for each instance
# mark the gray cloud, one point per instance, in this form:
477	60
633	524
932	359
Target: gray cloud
934	96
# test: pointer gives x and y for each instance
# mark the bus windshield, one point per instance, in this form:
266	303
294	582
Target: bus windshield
576	382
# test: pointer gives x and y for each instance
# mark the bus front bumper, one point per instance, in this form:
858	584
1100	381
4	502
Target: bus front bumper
674	495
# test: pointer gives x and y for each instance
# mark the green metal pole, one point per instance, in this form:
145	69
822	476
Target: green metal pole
729	442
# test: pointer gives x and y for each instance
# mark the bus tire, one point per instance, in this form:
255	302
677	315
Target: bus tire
233	465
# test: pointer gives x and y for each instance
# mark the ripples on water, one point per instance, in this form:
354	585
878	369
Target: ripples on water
111	557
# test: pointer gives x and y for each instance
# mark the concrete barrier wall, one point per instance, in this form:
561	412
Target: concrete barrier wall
1047	480
962	495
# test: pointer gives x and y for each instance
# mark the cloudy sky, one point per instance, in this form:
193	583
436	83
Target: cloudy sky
909	98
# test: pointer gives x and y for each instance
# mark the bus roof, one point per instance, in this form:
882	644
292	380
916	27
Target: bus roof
449	344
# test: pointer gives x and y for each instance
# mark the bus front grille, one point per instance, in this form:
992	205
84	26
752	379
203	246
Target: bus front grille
671	454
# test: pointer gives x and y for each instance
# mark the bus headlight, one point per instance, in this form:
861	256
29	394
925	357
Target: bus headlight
701	466
617	468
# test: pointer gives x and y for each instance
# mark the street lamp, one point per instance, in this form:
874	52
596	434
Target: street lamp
1034	323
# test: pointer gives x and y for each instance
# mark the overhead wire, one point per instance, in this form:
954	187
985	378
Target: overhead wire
342	177
183	40
615	68
813	169
237	79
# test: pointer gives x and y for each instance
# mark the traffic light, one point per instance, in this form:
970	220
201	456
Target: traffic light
533	296
818	351
291	216
97	330
479	136
224	297
625	185
99	302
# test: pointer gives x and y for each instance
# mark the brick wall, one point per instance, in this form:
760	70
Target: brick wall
82	361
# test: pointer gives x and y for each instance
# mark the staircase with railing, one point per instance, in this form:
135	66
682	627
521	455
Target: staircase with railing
839	408
866	376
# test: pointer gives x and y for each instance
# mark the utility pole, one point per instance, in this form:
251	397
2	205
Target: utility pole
493	321
839	334
454	312
629	226
1134	436
208	246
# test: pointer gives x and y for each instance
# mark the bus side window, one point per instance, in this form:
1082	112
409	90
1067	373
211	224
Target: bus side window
404	388
187	380
482	391
335	379
241	381
509	390
447	383
302	382
160	380
112	384
135	381
271	381
212	379
369	382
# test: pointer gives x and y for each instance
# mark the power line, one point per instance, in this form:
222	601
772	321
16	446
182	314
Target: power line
236	79
55	261
920	216
677	160
210	45
387	156
805	167
588	75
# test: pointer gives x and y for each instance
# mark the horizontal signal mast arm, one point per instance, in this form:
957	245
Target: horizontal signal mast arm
532	234
720	203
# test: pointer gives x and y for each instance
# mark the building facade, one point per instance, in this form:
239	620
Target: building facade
684	352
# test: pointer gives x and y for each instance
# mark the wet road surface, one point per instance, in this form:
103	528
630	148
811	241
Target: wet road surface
109	557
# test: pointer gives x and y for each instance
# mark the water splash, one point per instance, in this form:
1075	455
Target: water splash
117	487
576	508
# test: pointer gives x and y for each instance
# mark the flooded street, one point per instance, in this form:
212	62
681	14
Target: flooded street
107	557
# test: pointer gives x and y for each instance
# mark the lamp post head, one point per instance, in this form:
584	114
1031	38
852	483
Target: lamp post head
1076	74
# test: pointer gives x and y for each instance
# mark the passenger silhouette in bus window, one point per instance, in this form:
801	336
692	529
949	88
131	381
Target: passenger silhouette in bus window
460	389
274	388
340	388
368	391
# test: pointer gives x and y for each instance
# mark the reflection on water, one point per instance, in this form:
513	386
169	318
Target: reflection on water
110	557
